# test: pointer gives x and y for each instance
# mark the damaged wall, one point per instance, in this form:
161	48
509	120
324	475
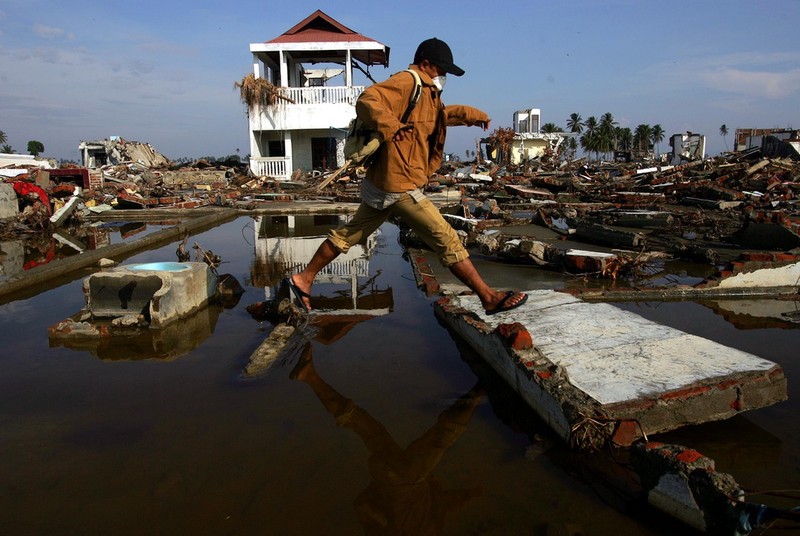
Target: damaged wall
116	150
9	206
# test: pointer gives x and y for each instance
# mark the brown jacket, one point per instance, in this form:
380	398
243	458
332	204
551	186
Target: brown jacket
406	165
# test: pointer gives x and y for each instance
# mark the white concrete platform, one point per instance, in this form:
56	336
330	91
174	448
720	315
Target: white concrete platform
615	355
593	360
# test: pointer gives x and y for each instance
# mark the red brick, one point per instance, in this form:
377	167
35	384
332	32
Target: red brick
638	405
688	456
543	374
431	285
727	384
759	257
685	393
62	190
626	433
785	257
516	335
776	373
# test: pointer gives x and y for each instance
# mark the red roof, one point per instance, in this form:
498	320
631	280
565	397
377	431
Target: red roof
319	28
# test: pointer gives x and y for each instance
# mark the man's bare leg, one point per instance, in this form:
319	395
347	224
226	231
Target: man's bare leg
324	255
466	272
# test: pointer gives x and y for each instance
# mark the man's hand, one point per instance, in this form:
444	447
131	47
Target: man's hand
404	134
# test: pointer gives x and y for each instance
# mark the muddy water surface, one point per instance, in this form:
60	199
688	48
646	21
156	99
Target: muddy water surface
383	420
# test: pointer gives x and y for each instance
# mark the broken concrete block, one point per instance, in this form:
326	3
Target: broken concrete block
683	483
592	366
9	206
163	291
69	207
268	351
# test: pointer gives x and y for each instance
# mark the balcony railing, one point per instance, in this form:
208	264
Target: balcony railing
269	167
322	95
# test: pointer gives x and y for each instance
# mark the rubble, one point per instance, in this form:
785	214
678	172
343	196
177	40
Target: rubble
613	220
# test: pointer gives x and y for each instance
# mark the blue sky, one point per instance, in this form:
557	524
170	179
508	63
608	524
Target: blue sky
163	72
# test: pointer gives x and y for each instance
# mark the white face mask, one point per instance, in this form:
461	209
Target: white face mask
439	81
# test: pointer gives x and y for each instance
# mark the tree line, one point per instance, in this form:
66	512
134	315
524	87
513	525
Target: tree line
605	136
34	147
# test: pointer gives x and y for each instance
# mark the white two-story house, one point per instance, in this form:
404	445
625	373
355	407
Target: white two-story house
315	66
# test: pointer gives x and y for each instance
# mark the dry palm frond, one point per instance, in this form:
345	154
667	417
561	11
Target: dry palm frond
259	92
501	140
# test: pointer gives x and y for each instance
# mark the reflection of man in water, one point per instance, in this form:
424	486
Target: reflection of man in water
403	497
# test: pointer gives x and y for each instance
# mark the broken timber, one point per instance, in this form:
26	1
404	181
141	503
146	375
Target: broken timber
596	373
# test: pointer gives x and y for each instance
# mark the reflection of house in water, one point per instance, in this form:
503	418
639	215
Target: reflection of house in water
757	313
285	244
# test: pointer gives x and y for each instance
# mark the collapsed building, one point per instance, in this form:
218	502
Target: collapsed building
116	150
771	142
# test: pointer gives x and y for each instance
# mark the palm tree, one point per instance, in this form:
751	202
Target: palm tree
3	137
641	138
550	128
624	138
607	141
572	147
723	131
589	140
6	148
575	123
607	120
657	136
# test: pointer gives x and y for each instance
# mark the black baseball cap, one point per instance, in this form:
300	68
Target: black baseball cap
438	53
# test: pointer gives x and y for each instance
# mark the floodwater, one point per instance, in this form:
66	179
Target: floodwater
32	250
383	423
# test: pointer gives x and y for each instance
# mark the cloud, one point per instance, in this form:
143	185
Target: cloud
74	93
157	46
767	75
48	32
772	85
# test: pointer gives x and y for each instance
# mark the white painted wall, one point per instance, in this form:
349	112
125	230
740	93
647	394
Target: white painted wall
303	117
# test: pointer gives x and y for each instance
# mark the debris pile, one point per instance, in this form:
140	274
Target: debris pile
612	219
117	150
617	219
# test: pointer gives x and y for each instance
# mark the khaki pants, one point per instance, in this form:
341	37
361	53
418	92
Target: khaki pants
422	216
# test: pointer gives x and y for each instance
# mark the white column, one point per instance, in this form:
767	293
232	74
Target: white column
348	69
287	140
354	284
284	69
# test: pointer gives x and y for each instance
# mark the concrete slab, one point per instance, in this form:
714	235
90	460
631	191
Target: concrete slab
9	204
596	372
166	291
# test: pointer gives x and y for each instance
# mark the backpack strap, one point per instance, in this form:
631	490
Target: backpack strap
415	93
